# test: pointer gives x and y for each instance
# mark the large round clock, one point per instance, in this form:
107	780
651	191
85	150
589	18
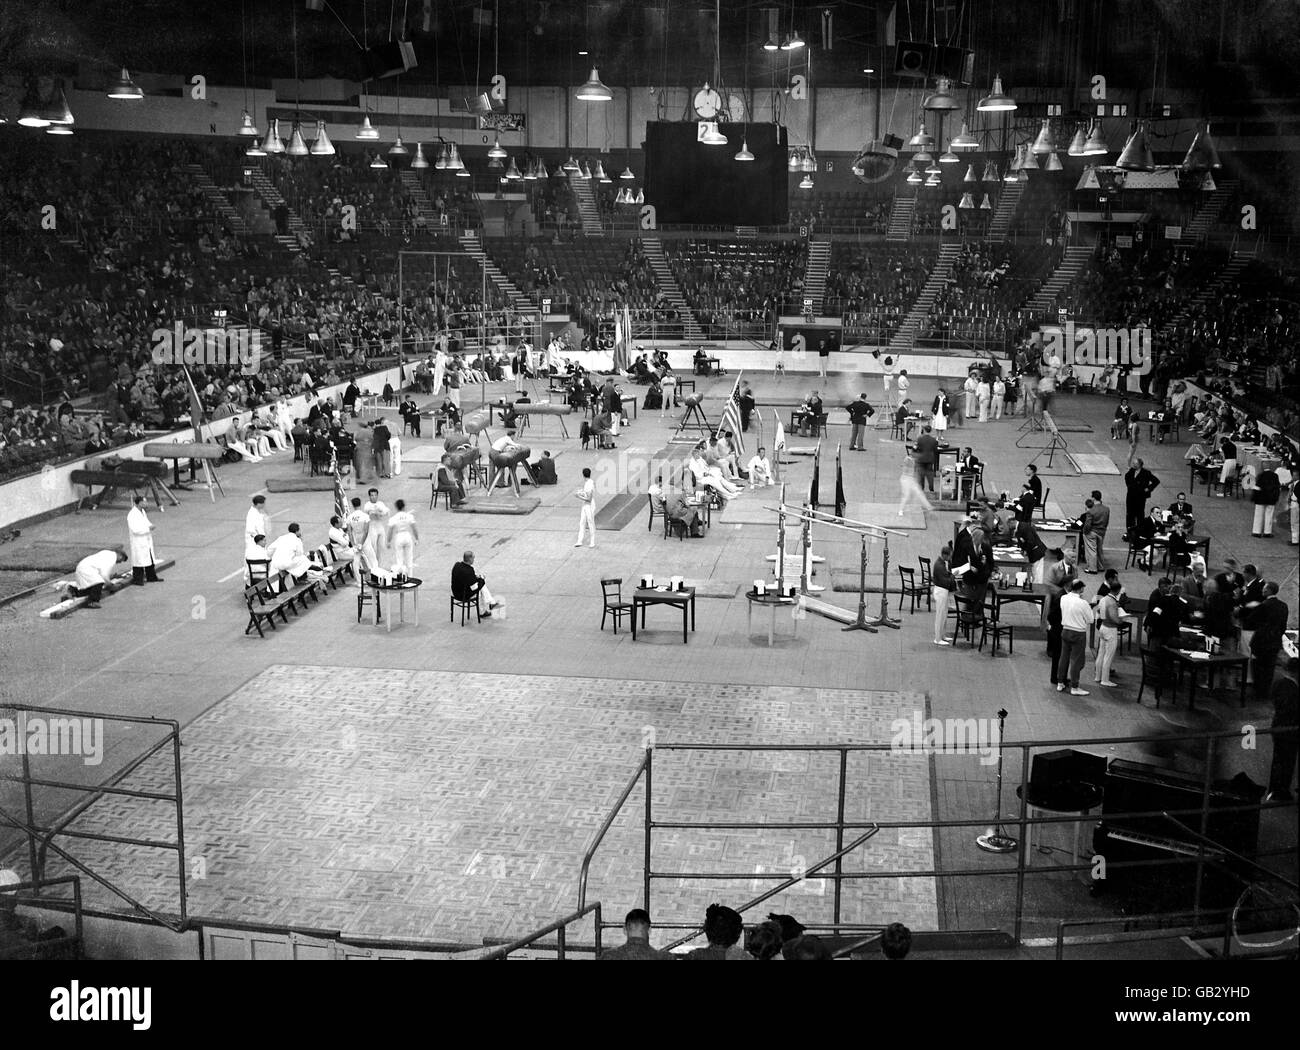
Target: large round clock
708	103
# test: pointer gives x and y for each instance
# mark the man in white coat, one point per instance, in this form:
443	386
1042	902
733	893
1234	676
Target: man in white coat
140	530
288	555
93	572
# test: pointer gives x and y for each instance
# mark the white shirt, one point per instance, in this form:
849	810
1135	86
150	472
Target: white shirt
358	522
904	384
1076	613
256	523
95	568
339	538
401	523
375	509
760	465
285	551
254	552
588	493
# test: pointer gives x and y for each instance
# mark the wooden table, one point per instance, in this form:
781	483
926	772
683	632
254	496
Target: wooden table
1201	543
1187	658
409	586
712	366
1037	594
682	384
772	602
646	596
1073	536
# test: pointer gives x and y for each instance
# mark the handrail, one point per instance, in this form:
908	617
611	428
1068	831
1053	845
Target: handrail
642	767
558	927
1167	931
793	880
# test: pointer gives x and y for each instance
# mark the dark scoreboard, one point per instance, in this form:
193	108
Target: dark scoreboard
690	182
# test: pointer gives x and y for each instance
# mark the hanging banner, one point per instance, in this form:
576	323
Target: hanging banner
502	121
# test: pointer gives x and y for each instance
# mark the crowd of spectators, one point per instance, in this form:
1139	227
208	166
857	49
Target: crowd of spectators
737	286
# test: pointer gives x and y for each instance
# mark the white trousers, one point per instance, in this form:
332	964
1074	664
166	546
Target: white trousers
587	521
1263	524
941	596
1107	645
404	553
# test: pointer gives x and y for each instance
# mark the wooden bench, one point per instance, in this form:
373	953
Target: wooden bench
267	599
336	571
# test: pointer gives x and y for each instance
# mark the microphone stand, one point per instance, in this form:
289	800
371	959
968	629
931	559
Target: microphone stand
996	840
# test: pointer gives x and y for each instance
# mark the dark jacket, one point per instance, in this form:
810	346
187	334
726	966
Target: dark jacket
942	575
927	450
544	471
1268	621
859	412
1140	485
1268	489
463	580
1027	540
1164	614
380	438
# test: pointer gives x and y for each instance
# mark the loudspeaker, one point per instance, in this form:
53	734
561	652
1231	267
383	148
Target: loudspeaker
955	63
1055	776
892	142
913	58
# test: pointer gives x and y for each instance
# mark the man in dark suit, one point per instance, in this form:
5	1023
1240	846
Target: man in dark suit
968	469
1165	611
972	559
1267	622
1095	521
1139	483
860	412
544	469
927	458
1180	508
1034	484
747	403
466	583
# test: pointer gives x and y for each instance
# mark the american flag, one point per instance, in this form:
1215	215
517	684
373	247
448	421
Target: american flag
731	420
340	500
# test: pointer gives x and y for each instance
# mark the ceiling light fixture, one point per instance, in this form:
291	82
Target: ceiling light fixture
247	127
996	101
1096	144
124	88
593	90
419	161
1046	141
1137	155
964	140
273	144
297	146
942	99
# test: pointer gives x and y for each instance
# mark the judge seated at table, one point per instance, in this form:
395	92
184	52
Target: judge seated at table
701	360
683	514
1144	535
1180	508
969	466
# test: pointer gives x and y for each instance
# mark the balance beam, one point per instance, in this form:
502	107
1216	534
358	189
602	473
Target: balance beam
320	483
183	450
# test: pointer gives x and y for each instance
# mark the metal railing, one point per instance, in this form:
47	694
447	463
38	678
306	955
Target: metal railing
40	839
47	947
1200	815
559	927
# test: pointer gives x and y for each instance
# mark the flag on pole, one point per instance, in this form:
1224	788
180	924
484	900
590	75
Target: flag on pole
622	339
828	28
778	447
340	500
813	485
196	406
839	484
731	419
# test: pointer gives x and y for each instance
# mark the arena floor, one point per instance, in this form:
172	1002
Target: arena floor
441	782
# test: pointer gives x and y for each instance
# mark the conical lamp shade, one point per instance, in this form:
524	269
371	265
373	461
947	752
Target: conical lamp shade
806	183
599	174
1053	162
322	146
915	178
1046	141
497	152
921	140
713	137
996	101
124	88
985	205
419	160
640	197
442	162
255	149
990	172
949	157
58	112
627	176
1201	154
571	164
542	173
924	157
967	201
586	171
29	114
247	127
454	161
377	162
1136	155
297	146
942	101
593	90
530	172
273	145
621	196
1096	144
932	181
794	161
933	169
1028	162
970	174
398	149
793	42
1208	185
744	154
367	132
964	139
513	173
1078	143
